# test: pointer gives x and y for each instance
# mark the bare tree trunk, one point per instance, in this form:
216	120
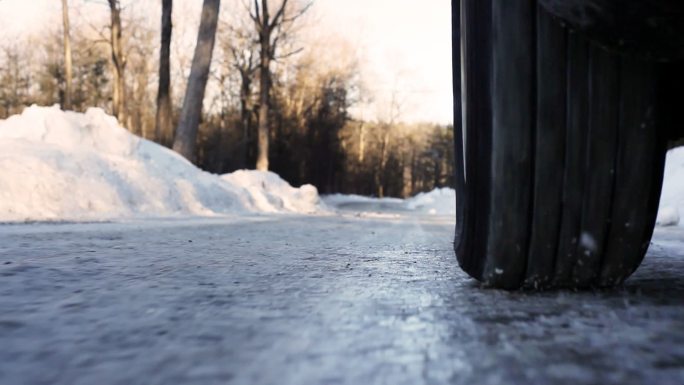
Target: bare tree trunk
413	170
118	62
139	110
186	133
362	141
245	91
268	43
242	48
438	172
67	57
264	87
380	180
263	128
163	130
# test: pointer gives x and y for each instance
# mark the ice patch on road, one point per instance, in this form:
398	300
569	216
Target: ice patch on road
57	165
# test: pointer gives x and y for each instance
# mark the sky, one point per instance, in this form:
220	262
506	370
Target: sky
404	46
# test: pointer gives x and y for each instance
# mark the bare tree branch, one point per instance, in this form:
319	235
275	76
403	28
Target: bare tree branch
97	30
278	15
297	15
291	53
256	16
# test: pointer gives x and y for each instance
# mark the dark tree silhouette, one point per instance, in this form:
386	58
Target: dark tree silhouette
163	124
118	61
270	31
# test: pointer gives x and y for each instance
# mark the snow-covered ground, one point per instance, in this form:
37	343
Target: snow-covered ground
67	166
59	166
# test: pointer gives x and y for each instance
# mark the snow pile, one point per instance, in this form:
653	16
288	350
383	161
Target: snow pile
672	196
440	201
270	193
57	165
668	216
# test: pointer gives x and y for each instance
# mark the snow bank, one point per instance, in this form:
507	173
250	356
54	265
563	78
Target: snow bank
667	216
672	196
270	193
441	201
57	165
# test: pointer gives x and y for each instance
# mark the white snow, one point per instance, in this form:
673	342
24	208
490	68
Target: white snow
440	201
270	193
66	166
668	216
57	165
672	196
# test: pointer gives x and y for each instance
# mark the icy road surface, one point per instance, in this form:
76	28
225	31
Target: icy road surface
369	298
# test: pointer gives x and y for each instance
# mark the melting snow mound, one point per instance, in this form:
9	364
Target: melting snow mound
667	216
441	201
672	196
270	193
57	165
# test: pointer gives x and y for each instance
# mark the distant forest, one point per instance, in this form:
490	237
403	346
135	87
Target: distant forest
272	101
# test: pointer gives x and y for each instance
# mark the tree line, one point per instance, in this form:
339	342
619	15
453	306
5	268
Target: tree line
257	95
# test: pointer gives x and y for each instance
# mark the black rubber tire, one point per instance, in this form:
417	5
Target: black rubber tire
561	152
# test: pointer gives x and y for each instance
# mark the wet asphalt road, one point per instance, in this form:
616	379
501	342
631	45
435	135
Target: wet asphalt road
365	298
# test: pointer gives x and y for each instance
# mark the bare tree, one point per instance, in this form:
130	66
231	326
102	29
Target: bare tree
118	62
241	47
270	31
140	97
15	80
186	133
68	95
246	68
163	125
385	141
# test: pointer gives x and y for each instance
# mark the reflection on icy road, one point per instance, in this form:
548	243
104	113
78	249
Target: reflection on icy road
350	299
